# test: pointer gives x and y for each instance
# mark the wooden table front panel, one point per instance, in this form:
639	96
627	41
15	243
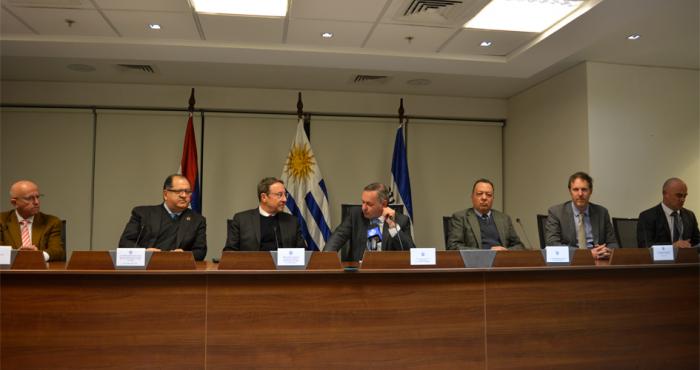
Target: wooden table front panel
397	321
61	321
586	319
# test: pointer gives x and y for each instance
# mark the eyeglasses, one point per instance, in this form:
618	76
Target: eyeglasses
180	191
279	195
31	198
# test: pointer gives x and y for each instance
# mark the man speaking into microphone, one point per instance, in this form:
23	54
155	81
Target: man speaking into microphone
375	226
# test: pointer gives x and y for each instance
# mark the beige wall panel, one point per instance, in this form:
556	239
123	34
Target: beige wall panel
54	149
135	151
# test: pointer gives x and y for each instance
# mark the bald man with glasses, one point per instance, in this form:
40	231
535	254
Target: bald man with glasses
26	228
169	226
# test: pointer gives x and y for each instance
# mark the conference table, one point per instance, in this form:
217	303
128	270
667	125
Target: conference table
383	314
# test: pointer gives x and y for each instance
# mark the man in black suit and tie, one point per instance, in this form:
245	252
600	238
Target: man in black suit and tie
668	222
266	227
374	215
580	223
170	226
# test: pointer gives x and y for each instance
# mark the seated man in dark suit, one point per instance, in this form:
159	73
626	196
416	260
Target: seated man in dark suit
266	227
396	228
170	226
25	228
482	227
669	223
580	223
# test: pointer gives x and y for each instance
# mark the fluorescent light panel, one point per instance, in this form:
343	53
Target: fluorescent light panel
522	15
264	8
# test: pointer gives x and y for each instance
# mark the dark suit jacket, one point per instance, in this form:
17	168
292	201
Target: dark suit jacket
465	232
354	229
46	233
560	228
652	227
244	232
145	224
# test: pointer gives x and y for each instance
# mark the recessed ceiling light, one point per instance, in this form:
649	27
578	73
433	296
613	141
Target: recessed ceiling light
263	8
327	35
635	36
522	15
154	26
486	43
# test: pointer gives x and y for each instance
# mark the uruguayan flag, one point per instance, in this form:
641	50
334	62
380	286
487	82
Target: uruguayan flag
307	197
400	182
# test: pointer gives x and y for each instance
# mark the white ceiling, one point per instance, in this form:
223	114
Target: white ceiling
370	37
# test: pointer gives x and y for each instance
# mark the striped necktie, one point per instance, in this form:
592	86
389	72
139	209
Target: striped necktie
26	238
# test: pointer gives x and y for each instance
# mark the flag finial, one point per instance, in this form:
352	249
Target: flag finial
401	111
300	107
191	101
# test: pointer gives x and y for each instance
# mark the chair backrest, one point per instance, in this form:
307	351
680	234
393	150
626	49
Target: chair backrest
446	227
540	229
626	232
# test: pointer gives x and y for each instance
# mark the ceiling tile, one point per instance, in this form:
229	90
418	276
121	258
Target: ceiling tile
53	21
503	43
161	5
345	34
393	37
135	24
242	29
49	4
356	10
10	25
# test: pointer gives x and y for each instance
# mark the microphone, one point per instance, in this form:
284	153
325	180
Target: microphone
374	235
524	233
277	243
138	237
398	235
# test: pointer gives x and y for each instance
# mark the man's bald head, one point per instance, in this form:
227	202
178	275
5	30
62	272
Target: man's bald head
674	193
24	196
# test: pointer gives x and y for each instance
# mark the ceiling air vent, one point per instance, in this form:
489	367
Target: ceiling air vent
137	68
437	13
51	4
370	80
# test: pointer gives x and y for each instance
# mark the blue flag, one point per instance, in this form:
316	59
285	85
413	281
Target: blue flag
400	182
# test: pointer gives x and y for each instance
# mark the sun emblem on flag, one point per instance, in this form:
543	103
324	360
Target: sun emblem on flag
300	162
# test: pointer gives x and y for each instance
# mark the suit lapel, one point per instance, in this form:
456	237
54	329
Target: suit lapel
184	224
38	226
499	220
568	225
662	216
596	218
474	223
256	225
13	230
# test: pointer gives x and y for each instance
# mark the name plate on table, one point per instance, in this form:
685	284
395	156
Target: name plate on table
662	253
5	255
423	256
478	258
558	255
291	258
130	258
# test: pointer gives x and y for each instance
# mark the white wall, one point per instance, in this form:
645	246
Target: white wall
546	140
643	128
135	150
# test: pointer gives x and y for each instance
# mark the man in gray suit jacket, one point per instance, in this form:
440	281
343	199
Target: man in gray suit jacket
266	227
580	223
375	212
482	227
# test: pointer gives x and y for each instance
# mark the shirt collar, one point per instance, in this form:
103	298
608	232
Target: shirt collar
171	212
263	213
668	210
576	211
479	213
20	218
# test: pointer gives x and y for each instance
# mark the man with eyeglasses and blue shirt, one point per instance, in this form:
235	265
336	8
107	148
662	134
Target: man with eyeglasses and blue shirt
25	228
170	226
266	227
